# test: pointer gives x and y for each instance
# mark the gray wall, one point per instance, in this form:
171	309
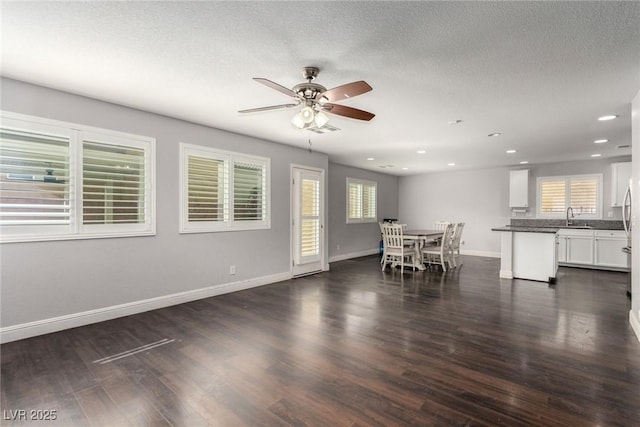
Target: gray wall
350	240
42	280
480	198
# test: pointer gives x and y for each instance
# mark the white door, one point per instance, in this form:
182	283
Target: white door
307	220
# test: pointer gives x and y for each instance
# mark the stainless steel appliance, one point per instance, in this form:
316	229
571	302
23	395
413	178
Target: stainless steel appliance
626	221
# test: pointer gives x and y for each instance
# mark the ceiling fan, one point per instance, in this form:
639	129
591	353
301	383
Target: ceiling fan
316	100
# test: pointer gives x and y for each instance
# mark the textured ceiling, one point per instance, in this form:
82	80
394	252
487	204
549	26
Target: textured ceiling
538	72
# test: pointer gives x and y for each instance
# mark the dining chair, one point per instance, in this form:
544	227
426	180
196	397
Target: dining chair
395	250
437	225
455	244
441	254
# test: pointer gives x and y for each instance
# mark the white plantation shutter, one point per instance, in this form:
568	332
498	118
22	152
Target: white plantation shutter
207	182
369	201
552	196
34	178
584	195
248	191
113	184
310	217
222	190
354	201
361	200
61	181
580	192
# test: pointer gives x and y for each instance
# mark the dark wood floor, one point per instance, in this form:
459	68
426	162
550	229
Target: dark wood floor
350	347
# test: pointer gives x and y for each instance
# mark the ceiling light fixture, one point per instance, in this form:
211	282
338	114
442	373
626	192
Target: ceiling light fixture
596	155
451	164
454	122
495	134
421	151
600	141
511	151
307	116
370	158
609	117
524	162
404	169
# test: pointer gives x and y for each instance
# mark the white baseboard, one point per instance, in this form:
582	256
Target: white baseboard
351	255
635	323
480	253
46	326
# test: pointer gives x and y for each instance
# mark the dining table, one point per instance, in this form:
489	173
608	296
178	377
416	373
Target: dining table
420	237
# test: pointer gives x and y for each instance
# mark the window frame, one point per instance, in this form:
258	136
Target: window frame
230	158
76	230
567	196
362	183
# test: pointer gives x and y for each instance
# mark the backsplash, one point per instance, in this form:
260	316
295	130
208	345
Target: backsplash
595	223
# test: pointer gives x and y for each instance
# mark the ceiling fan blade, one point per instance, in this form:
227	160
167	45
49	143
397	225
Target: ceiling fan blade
342	110
276	86
347	91
271	107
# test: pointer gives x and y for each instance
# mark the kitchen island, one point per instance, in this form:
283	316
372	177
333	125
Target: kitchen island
528	253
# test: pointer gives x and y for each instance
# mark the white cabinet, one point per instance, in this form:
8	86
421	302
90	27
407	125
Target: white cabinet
534	256
519	189
608	249
575	246
620	175
589	248
562	248
580	249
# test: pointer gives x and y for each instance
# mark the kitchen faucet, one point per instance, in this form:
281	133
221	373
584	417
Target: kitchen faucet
569	221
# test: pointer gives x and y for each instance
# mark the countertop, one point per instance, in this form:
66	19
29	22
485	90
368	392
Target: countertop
527	229
521	229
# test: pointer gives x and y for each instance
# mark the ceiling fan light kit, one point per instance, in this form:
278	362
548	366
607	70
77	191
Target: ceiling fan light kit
316	100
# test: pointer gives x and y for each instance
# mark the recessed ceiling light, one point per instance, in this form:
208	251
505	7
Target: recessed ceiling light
600	141
510	151
596	155
524	162
605	118
495	134
451	164
454	122
404	169
421	151
370	158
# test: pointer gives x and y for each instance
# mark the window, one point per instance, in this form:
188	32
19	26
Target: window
583	193
63	181
361	201
223	191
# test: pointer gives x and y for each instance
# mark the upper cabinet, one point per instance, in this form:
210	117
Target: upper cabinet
519	189
620	175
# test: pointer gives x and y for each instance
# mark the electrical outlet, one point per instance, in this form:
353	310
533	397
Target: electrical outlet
609	214
232	269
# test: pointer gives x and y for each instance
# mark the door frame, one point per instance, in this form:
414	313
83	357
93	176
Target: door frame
324	266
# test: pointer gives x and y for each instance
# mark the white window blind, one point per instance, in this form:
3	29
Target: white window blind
34	179
68	181
354	201
206	189
248	191
552	196
583	193
113	184
222	190
361	200
369	201
310	229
